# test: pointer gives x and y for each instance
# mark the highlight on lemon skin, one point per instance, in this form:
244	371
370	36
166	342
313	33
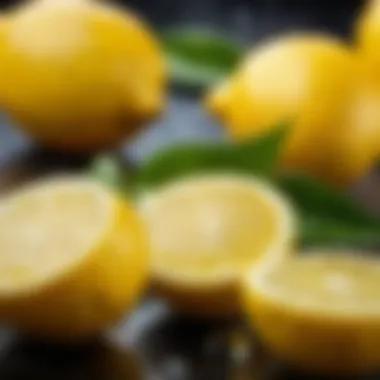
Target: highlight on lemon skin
205	231
73	259
80	76
310	80
319	312
367	42
367	38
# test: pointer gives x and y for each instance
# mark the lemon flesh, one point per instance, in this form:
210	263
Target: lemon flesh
319	312
205	231
31	226
73	258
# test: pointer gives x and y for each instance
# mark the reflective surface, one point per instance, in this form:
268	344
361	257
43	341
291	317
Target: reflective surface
153	345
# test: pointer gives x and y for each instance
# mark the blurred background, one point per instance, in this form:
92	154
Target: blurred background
250	20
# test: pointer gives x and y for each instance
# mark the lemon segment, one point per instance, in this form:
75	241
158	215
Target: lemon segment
319	312
73	258
206	230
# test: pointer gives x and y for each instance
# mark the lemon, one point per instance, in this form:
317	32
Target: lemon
310	81
360	144
319	312
367	36
205	231
73	258
79	75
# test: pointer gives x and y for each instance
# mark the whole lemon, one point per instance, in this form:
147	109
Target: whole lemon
312	82
79	75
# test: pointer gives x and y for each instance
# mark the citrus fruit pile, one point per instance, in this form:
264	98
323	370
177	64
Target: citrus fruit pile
76	255
81	76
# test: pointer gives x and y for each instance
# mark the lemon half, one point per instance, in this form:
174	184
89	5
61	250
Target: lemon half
206	230
319	312
73	258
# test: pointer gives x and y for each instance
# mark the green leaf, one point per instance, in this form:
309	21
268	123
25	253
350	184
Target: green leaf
315	198
111	171
324	232
329	218
199	58
254	157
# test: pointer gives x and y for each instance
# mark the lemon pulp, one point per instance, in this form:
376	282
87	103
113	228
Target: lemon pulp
206	230
73	258
337	285
319	312
34	222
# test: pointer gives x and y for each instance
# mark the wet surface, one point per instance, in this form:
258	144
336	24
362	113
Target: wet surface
154	344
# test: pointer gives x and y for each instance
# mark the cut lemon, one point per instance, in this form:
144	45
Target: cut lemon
319	312
73	258
206	230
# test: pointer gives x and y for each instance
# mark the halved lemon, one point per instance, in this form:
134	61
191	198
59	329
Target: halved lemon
319	312
73	258
206	230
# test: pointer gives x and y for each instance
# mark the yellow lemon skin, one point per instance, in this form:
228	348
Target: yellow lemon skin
93	293
316	341
308	81
80	76
367	38
359	144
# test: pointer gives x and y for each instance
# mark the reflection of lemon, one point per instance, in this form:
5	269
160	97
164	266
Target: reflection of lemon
114	362
307	80
79	75
73	258
319	312
206	230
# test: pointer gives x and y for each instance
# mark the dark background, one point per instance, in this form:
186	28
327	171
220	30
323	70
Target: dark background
154	344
